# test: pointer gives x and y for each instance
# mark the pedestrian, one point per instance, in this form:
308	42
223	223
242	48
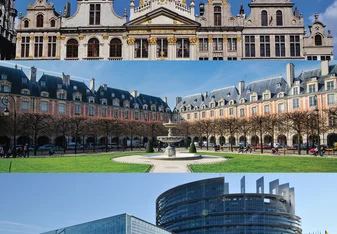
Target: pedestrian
241	149
322	151
51	151
26	150
2	152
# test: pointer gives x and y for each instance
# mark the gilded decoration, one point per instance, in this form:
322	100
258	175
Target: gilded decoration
152	40
175	22
210	1
63	37
225	38
224	1
193	40
172	40
139	32
105	36
149	21
45	38
18	38
156	31
210	38
58	37
81	37
125	37
141	2
31	37
131	41
238	39
30	57
17	57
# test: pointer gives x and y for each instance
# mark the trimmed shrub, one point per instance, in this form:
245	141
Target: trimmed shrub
193	149
149	147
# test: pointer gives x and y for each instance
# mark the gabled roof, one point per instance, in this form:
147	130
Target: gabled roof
227	93
119	94
148	100
195	100
15	75
162	11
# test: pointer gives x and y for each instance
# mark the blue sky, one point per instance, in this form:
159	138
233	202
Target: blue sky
326	8
33	203
168	78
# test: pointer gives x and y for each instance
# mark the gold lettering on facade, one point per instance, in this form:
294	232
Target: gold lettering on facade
31	37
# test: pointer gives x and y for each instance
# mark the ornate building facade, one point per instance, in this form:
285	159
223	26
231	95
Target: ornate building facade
7	29
311	89
170	30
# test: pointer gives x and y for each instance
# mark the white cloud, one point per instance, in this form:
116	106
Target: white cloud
329	17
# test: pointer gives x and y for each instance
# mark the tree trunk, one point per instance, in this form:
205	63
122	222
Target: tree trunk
299	143
75	143
35	145
261	142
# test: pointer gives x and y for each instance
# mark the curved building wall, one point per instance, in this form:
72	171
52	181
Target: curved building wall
206	207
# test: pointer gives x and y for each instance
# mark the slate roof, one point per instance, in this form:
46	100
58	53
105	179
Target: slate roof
228	94
118	93
193	100
148	100
15	75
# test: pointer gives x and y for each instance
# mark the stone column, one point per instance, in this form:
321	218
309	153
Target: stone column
131	49
210	47
45	47
272	46
152	48
82	47
31	47
224	47
239	47
193	48
171	48
125	48
105	48
257	47
287	45
18	47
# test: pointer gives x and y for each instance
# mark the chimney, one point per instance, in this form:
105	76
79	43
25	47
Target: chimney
92	84
105	87
165	99
178	99
205	94
67	10
134	93
66	79
241	87
290	74
325	68
33	71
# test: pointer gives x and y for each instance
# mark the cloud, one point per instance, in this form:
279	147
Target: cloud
19	227
329	17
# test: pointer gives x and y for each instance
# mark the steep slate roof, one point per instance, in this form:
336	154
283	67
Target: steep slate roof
15	75
228	93
118	93
195	100
148	100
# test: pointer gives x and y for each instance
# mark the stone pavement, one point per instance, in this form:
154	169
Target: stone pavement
167	166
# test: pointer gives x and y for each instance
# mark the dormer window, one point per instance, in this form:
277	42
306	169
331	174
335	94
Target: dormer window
136	106
77	98
91	100
123	96
104	102
241	101
295	91
44	94
3	76
153	108
61	96
112	95
248	90
221	103
330	85
312	88
145	107
212	105
102	93
115	102
24	80
231	102
126	104
278	85
297	82
75	87
228	94
266	96
25	92
253	98
59	86
280	95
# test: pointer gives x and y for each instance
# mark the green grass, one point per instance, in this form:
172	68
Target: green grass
91	163
257	163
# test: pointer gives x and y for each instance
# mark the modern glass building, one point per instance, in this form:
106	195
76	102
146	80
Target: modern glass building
207	207
119	224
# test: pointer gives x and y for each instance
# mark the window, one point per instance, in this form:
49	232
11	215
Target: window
52	46
203	114
38	46
295	48
115	48
312	101
3	76
331	99
279	18
116	113
232	44
61	96
24	80
113	95
231	111
39	21
264	46
195	115
266	109
203	58
25	41
296	103
141	48
217	58
95	14
217	44
266	96
4	88
59	86
115	102
250	46
154	116
25	92
295	91
212	113
162	45
52	23
217	16
212	105
77	109
312	58
242	112
330	85
104	112
232	58
26	24
325	58
254	111
253	98
72	48
91	100
24	105
203	44
93	47
62	108
183	48
104	102
221	112
146	116
264	18
43	83
318	40
280	46
44	106
136	115
91	111
312	88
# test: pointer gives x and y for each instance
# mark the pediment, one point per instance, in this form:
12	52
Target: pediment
162	17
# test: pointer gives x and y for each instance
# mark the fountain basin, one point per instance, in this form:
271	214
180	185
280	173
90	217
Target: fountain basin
170	139
178	156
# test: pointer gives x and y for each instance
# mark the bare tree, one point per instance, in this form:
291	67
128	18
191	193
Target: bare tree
131	130
231	127
207	127
197	130
244	127
272	125
61	127
258	124
76	124
118	130
184	129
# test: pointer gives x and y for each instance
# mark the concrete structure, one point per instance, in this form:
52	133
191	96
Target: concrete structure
263	97
121	224
7	29
170	30
207	206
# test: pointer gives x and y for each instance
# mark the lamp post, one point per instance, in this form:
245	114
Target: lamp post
317	114
5	100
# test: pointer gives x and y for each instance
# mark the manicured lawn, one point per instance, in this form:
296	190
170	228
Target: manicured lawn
92	163
257	163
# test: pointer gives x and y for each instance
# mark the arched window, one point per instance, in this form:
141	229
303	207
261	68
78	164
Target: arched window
93	48
52	23
279	18
39	21
26	24
318	40
217	16
115	48
72	48
264	18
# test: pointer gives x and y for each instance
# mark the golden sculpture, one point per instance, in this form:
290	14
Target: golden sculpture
210	38
18	38
45	38
141	2
172	40
31	37
81	37
152	40
210	1
63	37
238	39
58	37
125	36
131	41
105	36
193	40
